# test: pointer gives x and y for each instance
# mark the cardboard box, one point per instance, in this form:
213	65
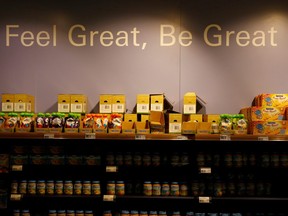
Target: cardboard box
204	128
189	103
211	118
193	118
128	125
8	102
175	123
115	123
157	102
143	104
23	103
105	103
274	100
145	118
266	113
101	122
64	101
269	127
189	127
118	103
142	127
157	122
79	103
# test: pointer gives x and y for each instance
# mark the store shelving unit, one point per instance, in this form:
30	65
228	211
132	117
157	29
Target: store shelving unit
238	174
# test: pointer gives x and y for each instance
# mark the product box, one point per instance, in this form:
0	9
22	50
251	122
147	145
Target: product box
274	100
266	113
190	123
189	103
10	122
79	103
128	125
157	122
115	123
157	102
118	103
8	102
143	104
175	123
24	103
269	127
211	118
105	103
204	128
142	127
87	123
64	101
101	123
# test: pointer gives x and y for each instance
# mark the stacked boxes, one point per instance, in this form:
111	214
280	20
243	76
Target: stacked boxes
112	103
76	103
18	103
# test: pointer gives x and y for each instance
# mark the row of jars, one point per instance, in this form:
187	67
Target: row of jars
56	159
58	187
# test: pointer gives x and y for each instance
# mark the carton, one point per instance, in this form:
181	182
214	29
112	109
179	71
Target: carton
189	103
190	123
274	100
175	123
156	102
204	128
128	125
23	103
64	101
269	127
8	102
115	123
193	118
142	127
267	113
105	103
101	122
157	122
79	103
118	103
143	104
211	118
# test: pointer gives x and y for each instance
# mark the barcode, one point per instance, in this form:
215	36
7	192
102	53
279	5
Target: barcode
21	107
157	107
119	106
65	106
9	107
191	109
78	106
176	127
106	107
143	107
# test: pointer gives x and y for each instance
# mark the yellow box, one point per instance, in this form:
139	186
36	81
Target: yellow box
189	103
275	100
143	103
193	118
156	102
269	127
128	127
64	101
175	123
142	127
118	103
79	103
204	128
23	103
189	127
145	118
267	113
8	102
211	118
157	122
130	117
105	103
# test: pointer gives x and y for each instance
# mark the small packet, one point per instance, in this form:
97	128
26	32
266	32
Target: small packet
11	120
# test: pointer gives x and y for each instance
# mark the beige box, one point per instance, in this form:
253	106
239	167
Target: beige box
118	103
23	103
175	123
143	104
156	102
79	103
64	101
189	103
105	103
8	102
211	118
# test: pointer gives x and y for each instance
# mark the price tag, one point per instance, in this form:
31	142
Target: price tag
90	135
49	136
225	137
109	198
17	168
263	138
205	170
140	137
111	169
15	197
182	138
204	199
